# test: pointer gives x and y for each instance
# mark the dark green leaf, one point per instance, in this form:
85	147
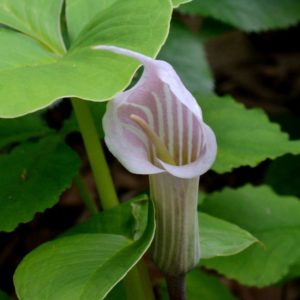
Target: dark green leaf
245	137
117	293
32	177
294	271
273	219
22	129
3	296
211	28
252	15
184	51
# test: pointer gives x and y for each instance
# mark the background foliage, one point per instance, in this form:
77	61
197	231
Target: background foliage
249	233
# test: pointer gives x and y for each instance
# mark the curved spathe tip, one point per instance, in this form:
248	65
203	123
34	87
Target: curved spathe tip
161	100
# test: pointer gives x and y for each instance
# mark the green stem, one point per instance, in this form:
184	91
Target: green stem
85	195
137	282
103	180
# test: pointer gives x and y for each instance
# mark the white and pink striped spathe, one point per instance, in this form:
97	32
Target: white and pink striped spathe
169	109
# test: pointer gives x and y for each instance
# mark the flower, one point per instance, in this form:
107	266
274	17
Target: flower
156	128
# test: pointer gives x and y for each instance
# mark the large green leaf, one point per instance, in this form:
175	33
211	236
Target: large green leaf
184	51
273	219
221	238
244	136
41	76
202	286
27	52
83	266
248	15
37	18
32	177
79	14
21	129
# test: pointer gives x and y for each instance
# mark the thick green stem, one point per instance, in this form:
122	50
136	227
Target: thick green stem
95	154
137	282
85	195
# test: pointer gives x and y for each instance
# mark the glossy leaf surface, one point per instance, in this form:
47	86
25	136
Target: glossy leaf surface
39	19
221	238
33	77
83	266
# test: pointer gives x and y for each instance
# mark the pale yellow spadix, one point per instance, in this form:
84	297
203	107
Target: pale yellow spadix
161	149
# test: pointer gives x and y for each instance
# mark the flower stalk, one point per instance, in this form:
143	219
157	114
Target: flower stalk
176	287
156	128
176	247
